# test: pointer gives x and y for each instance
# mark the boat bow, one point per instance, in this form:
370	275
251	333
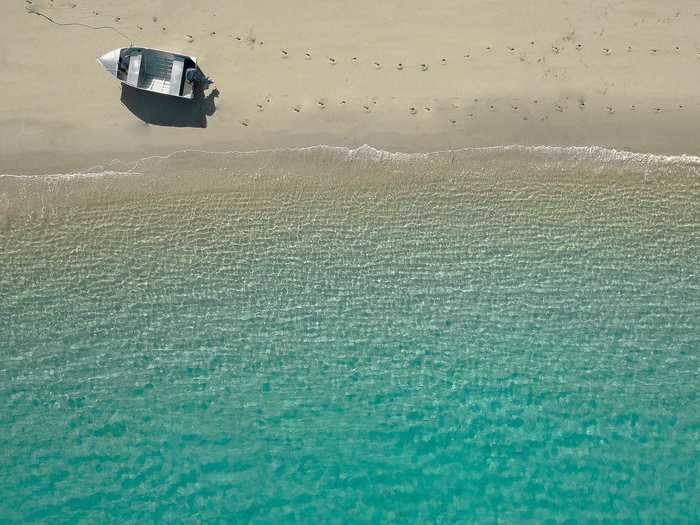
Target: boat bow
110	61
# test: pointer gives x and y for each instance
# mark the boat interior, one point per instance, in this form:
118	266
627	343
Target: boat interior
156	71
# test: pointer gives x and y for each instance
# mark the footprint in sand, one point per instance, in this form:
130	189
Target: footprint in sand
163	28
377	65
443	61
658	110
453	121
610	109
579	46
244	122
321	104
555	50
558	108
467	56
155	19
606	51
307	55
399	66
633	107
678	49
332	61
629	49
189	38
535	101
427	108
212	33
680	106
653	51
139	28
260	107
532	42
514	108
117	19
424	67
581	104
296	108
284	52
510	49
343	102
488	49
492	107
367	108
470	115
355	59
268	99
412	110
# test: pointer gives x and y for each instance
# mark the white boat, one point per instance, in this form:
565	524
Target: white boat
153	70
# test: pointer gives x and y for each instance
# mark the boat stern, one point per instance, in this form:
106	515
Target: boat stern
110	61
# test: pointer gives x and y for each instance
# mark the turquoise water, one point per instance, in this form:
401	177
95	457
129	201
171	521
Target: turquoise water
326	336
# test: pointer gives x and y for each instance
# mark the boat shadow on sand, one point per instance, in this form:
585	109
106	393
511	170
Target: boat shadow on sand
162	110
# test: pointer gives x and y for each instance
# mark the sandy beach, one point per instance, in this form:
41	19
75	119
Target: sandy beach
402	76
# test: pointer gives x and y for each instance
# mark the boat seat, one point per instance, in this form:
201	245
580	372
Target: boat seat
176	76
132	77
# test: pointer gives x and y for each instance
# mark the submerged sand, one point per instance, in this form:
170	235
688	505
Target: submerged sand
408	76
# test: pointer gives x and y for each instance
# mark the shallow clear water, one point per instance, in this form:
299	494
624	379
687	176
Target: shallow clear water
323	336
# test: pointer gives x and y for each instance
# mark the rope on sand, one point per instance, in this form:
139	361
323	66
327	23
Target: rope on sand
35	11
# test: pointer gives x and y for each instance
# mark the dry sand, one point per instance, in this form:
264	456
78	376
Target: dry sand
618	74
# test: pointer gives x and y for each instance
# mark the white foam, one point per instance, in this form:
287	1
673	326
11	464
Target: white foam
66	176
602	154
372	154
369	153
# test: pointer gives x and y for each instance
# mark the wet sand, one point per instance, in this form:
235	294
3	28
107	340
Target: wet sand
402	76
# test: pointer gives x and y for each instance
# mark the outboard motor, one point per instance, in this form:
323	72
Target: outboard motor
195	76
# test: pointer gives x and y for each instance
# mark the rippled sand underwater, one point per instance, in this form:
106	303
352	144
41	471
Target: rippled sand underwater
331	335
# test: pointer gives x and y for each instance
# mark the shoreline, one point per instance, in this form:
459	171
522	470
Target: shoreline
287	171
670	137
39	164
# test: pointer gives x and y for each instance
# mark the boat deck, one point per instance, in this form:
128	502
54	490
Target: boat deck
156	71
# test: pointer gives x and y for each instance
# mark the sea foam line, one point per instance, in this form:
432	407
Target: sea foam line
367	152
49	177
372	154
